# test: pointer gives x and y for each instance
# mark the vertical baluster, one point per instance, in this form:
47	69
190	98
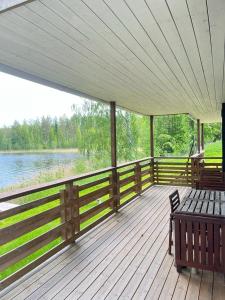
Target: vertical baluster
152	163
138	178
114	193
157	171
76	210
70	212
66	215
63	200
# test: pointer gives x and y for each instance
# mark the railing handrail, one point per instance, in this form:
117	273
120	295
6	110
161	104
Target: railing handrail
171	157
198	155
123	165
208	157
6	196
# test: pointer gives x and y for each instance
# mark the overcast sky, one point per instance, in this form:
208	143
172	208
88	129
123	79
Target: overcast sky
24	100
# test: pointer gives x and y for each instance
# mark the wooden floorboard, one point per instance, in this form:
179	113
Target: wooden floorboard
123	258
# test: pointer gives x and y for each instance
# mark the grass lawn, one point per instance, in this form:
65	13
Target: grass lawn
10	246
213	149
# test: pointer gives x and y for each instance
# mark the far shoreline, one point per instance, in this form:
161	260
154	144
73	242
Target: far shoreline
59	150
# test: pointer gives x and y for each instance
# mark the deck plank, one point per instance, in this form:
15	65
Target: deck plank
182	285
194	286
123	258
128	252
117	246
205	292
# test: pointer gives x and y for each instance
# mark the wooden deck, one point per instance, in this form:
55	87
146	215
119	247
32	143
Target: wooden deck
123	258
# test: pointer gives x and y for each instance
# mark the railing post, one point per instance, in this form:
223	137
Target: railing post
202	137
152	150
157	171
193	172
152	166
198	136
70	212
114	181
76	210
138	178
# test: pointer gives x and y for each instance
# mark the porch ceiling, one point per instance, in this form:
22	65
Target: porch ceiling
150	56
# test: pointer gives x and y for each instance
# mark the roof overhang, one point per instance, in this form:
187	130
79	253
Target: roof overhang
153	57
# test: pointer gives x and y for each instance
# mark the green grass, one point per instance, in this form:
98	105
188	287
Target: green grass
213	149
45	228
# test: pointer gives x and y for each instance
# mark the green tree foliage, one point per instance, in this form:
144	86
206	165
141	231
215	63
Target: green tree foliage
174	134
212	132
88	130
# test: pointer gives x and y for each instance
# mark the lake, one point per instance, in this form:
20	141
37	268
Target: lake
16	168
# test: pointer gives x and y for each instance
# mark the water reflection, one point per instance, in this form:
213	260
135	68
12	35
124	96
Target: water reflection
17	167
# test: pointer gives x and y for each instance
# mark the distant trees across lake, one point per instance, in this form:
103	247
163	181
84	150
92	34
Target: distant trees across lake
88	130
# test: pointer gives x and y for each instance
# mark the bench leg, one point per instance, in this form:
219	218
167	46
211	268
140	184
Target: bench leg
170	237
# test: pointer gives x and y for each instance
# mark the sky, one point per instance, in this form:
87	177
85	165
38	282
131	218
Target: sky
25	100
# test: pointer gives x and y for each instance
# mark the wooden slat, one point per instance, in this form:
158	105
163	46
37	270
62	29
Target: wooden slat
126	171
16	230
172	163
146	165
128	191
172	168
30	190
149	171
11	279
24	207
149	179
25	250
94	183
169	171
83	200
95	210
127	180
115	260
133	162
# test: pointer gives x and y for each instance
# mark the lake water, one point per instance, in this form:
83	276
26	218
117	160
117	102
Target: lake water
16	168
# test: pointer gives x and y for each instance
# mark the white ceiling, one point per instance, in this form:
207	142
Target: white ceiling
150	56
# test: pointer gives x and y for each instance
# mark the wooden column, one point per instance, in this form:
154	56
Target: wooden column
202	136
113	134
198	136
223	136
152	152
151	136
114	178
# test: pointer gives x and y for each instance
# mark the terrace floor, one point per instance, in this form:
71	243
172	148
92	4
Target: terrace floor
123	258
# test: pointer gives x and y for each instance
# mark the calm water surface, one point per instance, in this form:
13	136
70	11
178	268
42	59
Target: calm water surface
18	167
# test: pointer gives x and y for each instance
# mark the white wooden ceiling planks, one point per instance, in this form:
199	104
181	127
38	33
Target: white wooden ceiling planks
150	56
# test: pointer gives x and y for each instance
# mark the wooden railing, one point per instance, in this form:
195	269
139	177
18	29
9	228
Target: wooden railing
172	171
51	216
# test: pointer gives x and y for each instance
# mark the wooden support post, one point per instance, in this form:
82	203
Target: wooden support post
198	136
192	172
76	211
70	212
223	136
151	136
138	178
152	153
63	200
115	181
202	136
114	191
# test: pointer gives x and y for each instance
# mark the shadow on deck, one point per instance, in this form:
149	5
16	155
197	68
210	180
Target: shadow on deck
125	257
